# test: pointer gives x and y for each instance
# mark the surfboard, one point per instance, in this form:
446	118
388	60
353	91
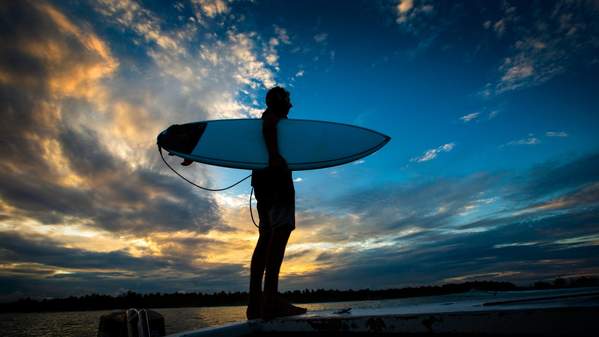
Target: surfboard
239	143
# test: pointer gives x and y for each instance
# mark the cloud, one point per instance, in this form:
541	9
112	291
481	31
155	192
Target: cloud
142	21
122	201
407	11
403	8
251	71
419	205
554	176
81	175
210	8
499	27
389	232
60	170
463	255
518	229
19	249
282	35
433	153
586	196
545	46
86	205
217	75
270	52
514	244
530	140
517	72
40	267
321	37
560	134
470	117
52	60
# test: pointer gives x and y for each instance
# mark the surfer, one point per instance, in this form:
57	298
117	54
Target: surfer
273	187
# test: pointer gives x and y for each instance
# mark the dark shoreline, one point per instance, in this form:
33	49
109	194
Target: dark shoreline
179	300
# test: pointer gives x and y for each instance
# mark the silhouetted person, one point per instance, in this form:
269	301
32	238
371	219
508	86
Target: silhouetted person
275	194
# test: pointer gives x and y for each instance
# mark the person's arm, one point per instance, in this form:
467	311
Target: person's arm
269	131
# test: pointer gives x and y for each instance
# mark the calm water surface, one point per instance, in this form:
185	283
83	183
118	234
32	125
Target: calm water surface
85	323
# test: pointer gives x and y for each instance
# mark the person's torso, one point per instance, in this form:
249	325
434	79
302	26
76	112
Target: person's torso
269	178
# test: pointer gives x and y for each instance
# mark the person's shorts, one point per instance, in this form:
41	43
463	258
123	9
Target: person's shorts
276	210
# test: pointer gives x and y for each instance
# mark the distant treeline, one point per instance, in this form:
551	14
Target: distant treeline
131	299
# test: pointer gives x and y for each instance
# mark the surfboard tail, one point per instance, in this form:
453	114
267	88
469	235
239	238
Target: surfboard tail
181	138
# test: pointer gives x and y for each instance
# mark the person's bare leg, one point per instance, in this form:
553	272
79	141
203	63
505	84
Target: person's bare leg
274	305
274	259
256	274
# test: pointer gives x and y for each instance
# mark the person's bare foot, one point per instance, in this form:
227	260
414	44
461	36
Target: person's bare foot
277	306
252	312
254	309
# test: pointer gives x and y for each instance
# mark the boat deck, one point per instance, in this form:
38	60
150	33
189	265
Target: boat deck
572	314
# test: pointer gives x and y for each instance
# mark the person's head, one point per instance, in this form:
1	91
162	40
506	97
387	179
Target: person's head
278	100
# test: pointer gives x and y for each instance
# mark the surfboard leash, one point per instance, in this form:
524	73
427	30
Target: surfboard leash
194	184
252	212
210	189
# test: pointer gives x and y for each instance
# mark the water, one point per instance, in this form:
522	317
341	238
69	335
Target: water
85	323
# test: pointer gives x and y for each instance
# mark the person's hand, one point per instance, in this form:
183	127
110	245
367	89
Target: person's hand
187	162
277	162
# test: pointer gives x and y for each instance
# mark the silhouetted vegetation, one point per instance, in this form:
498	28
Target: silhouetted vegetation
159	300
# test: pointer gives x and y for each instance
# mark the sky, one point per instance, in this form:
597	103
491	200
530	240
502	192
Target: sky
492	172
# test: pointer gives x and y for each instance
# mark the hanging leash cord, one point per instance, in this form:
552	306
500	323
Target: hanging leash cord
194	184
210	189
251	212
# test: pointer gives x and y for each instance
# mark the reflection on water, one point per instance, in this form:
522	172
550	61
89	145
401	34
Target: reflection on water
181	319
54	324
85	323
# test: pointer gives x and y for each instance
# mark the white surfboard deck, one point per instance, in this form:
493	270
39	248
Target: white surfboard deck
305	144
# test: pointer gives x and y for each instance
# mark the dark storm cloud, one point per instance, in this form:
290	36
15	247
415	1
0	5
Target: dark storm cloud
217	278
187	250
517	243
556	176
17	248
298	254
108	272
85	154
20	23
25	95
27	63
119	202
36	260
